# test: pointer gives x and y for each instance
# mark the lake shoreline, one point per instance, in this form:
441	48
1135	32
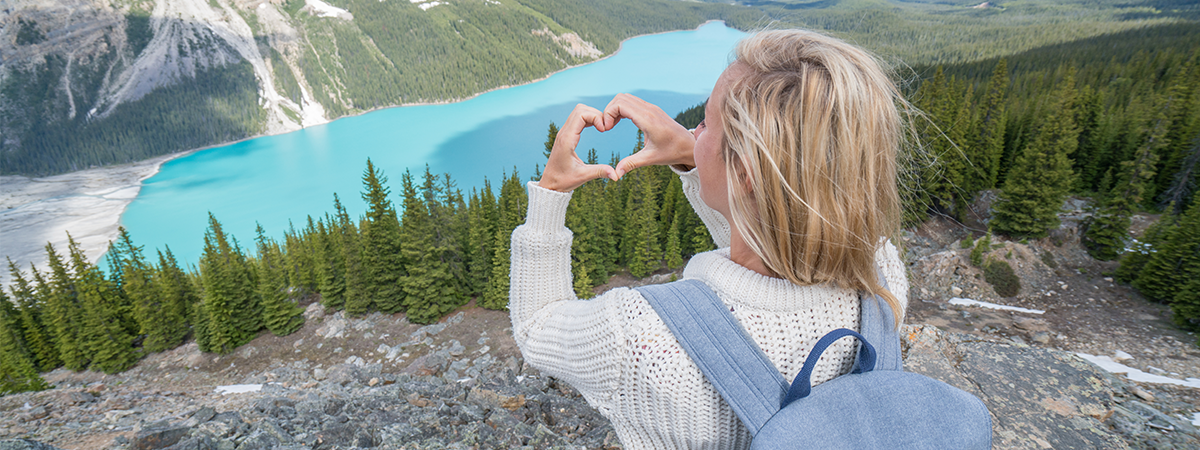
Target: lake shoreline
91	203
405	105
507	86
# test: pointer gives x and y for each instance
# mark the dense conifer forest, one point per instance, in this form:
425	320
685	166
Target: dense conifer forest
1115	118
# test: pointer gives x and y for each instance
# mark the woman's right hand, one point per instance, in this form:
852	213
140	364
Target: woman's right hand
666	141
565	171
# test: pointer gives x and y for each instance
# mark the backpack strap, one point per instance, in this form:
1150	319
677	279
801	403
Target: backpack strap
731	360
878	326
718	344
802	385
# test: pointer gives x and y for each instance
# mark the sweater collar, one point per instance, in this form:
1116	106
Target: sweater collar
737	285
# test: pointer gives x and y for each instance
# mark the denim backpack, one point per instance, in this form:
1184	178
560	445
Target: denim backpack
876	406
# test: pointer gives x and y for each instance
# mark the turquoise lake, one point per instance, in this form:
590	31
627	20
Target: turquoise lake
276	179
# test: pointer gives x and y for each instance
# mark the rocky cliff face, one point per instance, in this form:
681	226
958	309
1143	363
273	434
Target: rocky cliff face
95	55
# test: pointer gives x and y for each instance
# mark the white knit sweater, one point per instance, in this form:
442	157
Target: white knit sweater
616	351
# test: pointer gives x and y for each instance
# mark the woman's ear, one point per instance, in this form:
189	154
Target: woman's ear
743	177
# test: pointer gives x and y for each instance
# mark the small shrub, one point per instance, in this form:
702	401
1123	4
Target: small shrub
1002	278
1048	260
981	246
968	242
1008	255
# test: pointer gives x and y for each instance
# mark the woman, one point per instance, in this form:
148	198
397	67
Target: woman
794	173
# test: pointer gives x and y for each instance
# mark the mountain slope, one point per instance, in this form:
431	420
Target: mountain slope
94	82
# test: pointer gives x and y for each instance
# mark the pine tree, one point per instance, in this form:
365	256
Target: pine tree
429	287
299	269
992	123
1032	197
107	342
64	312
1186	304
355	293
1182	102
1166	272
1134	261
946	185
201	329
232	313
512	208
118	299
1180	193
175	287
1092	152
640	246
332	259
382	266
31	312
161	320
673	255
281	315
1109	229
18	372
482	217
551	135
583	259
447	215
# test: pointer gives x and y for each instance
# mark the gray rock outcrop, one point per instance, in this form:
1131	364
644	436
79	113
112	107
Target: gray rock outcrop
1043	398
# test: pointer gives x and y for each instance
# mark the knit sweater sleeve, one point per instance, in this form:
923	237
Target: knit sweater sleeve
718	228
577	341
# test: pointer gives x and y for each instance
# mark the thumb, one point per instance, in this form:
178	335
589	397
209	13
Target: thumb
603	170
630	162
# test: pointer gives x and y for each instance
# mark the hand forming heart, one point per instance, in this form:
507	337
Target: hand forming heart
667	143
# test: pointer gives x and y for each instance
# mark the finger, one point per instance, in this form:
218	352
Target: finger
581	117
624	106
631	162
602	171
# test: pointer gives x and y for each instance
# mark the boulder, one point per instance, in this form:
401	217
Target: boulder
426	365
344	374
156	438
24	444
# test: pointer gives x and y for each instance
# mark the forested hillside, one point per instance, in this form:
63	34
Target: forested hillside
84	84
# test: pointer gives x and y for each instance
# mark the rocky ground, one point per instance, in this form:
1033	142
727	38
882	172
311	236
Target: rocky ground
379	381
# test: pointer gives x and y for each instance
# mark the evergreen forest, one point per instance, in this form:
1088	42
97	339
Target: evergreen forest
1114	118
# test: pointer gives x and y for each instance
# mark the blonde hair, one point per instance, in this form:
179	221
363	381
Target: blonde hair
813	129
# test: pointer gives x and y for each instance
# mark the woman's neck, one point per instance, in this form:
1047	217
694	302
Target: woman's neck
740	253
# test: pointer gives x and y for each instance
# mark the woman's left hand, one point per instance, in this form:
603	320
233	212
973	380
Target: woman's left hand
565	171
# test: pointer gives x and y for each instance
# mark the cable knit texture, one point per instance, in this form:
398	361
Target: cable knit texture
620	355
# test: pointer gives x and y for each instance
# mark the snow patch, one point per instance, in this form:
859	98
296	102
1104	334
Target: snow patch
426	4
238	388
322	9
1107	363
1196	419
969	302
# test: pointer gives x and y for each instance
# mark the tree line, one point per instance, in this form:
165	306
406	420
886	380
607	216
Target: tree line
423	258
1114	118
